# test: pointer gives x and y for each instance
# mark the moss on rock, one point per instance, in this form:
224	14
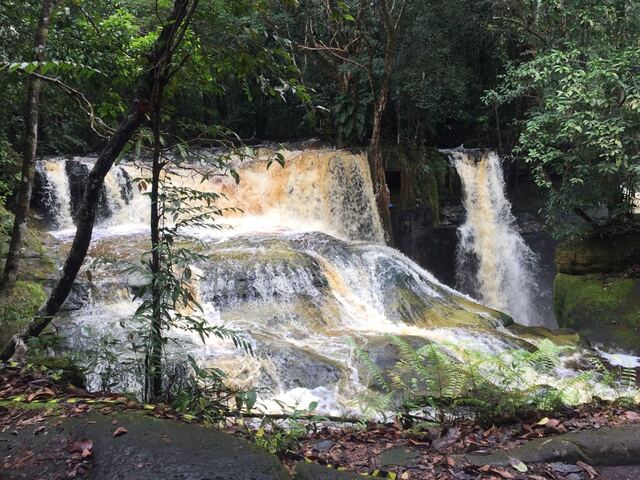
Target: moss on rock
19	307
604	309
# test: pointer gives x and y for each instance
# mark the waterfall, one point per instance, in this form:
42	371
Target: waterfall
55	192
317	190
494	263
302	273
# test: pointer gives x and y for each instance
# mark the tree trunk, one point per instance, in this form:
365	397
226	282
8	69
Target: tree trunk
157	75
376	165
154	352
34	86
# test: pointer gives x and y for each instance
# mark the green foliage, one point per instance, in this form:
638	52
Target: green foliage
19	307
581	134
168	299
45	356
622	382
428	169
205	395
279	434
9	170
430	385
350	117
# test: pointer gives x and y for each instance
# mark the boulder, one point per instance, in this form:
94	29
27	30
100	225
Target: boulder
150	449
607	446
314	471
605	310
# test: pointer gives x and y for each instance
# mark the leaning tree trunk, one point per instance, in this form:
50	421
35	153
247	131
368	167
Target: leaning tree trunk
32	112
156	76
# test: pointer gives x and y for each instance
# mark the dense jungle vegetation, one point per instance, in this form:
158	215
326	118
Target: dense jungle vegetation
554	83
552	86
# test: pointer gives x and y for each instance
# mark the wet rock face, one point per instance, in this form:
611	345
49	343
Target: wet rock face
43	197
78	176
433	248
599	254
298	368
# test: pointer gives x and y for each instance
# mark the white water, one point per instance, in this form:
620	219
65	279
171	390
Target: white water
59	185
491	252
300	272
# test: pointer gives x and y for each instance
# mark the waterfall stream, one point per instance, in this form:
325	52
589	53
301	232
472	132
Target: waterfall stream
494	262
302	273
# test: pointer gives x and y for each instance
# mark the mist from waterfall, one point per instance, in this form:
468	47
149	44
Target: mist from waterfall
493	261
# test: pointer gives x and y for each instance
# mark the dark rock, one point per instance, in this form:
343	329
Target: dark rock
432	247
606	254
151	449
565	468
314	471
323	445
78	297
299	368
607	446
574	476
78	176
399	456
43	197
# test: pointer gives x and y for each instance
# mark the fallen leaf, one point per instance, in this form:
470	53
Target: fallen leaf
119	431
632	416
517	464
503	473
552	423
84	447
41	393
39	429
587	468
543	421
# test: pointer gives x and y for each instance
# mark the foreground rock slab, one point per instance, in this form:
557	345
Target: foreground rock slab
604	447
314	471
143	448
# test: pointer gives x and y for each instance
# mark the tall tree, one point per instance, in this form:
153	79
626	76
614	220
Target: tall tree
356	38
579	76
32	112
391	15
155	77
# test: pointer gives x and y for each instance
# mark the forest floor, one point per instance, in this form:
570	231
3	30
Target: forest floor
31	406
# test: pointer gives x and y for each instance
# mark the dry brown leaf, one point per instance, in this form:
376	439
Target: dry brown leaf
84	447
41	393
587	468
503	473
119	431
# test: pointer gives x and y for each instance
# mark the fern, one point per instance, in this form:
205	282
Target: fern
441	382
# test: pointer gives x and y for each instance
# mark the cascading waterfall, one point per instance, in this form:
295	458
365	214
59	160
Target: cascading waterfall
302	273
494	262
56	192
